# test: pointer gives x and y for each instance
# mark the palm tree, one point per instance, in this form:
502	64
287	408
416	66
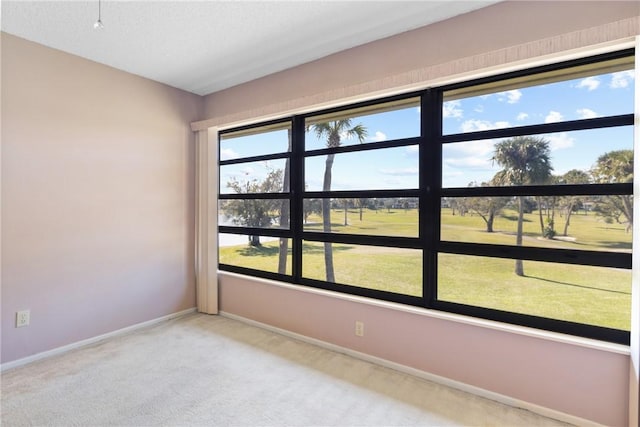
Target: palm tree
525	161
334	132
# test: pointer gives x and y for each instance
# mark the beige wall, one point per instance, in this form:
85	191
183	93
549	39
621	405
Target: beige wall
584	382
97	198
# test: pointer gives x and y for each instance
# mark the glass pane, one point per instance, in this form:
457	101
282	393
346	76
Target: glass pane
262	213
599	223
387	269
539	99
389	168
380	122
256	142
485	161
257	252
598	296
379	217
254	177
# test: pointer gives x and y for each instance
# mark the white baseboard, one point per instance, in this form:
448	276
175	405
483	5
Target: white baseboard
501	398
92	340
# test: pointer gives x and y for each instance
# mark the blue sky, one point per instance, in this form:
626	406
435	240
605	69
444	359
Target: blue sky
595	96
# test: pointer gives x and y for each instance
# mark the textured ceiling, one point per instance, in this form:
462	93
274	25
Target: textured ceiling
206	46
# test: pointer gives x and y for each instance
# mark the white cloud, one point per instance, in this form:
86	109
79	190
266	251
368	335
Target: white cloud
469	154
227	154
451	109
511	96
591	83
412	151
560	141
482	148
479	109
586	113
452	174
393	182
553	117
621	79
378	137
400	171
469	162
522	116
478	125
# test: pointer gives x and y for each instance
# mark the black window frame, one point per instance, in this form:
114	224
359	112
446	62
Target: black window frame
429	194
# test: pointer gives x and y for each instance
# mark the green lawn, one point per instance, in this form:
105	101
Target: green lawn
394	222
589	231
592	295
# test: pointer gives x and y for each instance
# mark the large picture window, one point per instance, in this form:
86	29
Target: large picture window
507	198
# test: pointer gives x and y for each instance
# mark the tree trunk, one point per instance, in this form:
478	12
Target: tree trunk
519	266
345	212
490	222
326	219
284	215
254	241
360	212
627	204
539	200
566	222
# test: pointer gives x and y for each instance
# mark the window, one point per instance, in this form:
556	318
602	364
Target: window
507	198
254	202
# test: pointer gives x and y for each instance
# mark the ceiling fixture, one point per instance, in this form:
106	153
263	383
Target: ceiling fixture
98	24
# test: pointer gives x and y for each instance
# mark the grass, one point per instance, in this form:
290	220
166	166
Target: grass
395	222
589	231
591	295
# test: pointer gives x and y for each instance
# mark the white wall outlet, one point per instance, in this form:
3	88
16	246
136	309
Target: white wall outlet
359	328
22	318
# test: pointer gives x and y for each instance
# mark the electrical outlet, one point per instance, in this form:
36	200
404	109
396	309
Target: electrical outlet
22	318
359	328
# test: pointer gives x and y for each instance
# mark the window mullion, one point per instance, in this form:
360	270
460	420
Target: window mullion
430	154
297	194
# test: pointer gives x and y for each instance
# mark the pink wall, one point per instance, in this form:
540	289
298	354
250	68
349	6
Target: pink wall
589	383
97	198
97	211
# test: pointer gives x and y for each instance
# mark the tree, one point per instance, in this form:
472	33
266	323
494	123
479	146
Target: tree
546	205
334	132
569	203
525	160
345	205
362	203
311	206
486	207
615	167
258	213
388	203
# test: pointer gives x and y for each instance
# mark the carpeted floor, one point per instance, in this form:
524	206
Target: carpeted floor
214	371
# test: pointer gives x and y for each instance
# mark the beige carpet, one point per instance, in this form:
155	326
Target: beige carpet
214	371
